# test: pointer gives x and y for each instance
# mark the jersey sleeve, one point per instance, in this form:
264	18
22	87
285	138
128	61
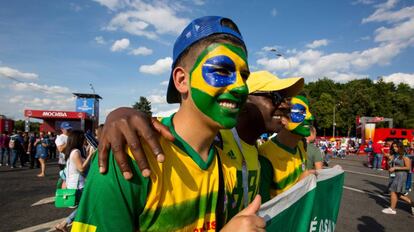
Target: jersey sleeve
109	202
266	178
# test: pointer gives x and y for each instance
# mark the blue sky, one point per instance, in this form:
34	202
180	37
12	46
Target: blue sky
51	48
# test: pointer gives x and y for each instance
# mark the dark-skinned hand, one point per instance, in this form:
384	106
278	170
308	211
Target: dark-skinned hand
123	128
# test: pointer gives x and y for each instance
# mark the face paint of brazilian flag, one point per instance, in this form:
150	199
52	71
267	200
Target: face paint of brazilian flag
300	117
217	86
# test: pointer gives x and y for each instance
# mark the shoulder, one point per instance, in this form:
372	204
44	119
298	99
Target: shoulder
75	153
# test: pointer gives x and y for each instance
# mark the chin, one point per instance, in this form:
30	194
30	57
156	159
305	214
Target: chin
228	123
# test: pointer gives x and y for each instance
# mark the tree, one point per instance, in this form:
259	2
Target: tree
143	105
19	125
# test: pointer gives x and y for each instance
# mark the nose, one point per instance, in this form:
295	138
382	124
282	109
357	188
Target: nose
285	104
240	92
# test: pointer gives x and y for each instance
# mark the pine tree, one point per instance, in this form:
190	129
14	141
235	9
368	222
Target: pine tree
143	105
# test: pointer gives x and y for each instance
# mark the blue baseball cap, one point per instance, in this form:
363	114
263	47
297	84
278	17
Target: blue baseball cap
198	29
66	126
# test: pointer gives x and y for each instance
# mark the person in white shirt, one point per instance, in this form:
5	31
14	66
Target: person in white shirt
75	171
61	141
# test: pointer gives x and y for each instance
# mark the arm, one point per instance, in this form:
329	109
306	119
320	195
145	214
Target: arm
123	127
80	165
109	202
407	166
61	148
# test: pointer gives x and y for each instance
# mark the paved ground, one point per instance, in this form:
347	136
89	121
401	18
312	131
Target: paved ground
363	200
361	206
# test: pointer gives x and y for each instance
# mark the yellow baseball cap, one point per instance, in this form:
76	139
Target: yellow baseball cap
265	81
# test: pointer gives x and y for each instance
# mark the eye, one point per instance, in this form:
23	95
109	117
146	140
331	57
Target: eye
222	72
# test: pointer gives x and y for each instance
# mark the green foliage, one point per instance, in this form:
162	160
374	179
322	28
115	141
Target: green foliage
19	125
143	105
360	97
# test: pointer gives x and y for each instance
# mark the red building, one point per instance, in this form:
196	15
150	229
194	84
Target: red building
52	119
393	134
6	124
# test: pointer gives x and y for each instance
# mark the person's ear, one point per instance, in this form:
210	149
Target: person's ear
181	80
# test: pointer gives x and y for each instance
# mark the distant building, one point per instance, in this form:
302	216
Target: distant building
6	124
85	117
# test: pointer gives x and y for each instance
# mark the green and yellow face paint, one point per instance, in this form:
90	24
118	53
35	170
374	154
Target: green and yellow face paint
218	83
300	117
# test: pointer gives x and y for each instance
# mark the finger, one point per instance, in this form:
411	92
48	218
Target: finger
260	223
103	153
253	207
162	129
137	151
151	137
121	157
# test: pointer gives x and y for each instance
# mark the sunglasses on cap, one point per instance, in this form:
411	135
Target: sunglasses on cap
273	95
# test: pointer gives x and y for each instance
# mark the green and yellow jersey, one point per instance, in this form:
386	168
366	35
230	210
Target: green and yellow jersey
281	167
180	195
232	161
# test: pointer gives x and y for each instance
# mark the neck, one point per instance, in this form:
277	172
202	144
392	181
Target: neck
247	131
287	138
195	131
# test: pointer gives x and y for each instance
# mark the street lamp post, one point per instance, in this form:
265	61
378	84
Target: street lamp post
334	123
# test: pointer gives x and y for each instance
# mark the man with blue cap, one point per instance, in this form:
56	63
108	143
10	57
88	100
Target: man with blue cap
186	192
61	141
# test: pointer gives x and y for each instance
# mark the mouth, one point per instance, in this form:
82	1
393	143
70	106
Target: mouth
228	104
277	117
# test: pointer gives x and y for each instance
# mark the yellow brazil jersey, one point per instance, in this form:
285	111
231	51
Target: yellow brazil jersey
281	167
180	195
232	162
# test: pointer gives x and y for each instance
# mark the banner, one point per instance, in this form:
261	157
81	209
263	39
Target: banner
310	205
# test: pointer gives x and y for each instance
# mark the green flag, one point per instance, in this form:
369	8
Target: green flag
310	205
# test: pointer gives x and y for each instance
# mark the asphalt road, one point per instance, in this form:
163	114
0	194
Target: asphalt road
363	199
361	204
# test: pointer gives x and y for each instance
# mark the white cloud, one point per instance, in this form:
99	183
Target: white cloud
113	4
165	113
273	12
398	78
363	2
25	86
343	66
383	14
148	20
165	83
75	7
16	74
157	99
318	43
199	2
366	38
100	40
270	48
280	63
159	67
143	51
120	45
56	102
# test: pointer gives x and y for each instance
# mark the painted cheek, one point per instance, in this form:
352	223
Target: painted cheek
298	113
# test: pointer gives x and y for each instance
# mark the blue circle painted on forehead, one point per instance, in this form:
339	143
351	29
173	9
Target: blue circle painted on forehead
297	113
219	71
